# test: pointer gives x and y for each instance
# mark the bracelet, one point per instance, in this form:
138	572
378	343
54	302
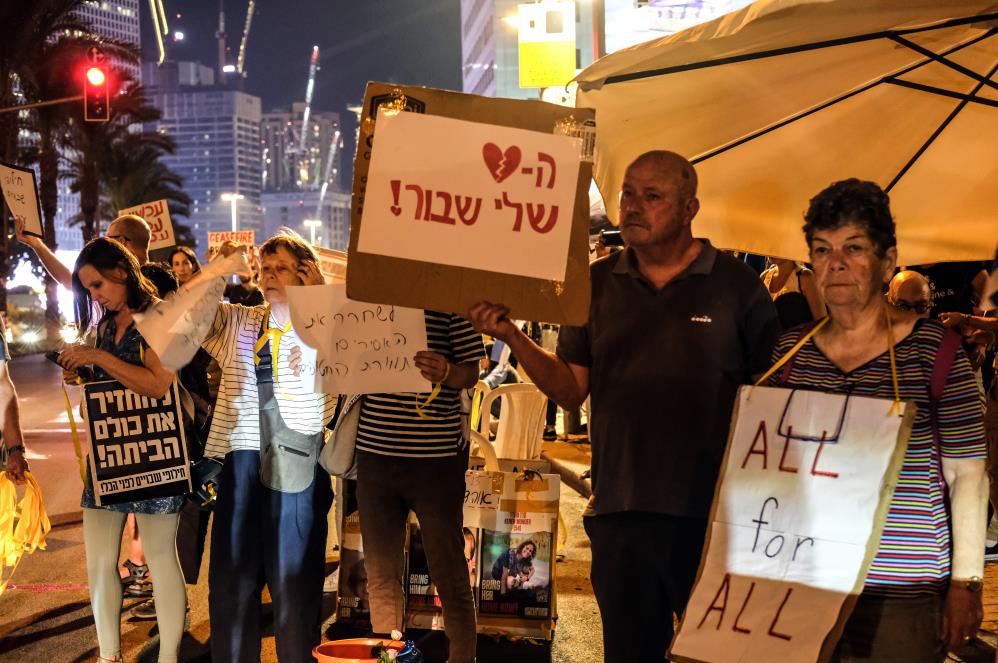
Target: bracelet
446	374
14	449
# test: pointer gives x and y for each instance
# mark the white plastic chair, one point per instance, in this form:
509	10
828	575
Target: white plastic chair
521	420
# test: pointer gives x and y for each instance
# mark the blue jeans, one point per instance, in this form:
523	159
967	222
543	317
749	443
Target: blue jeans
263	537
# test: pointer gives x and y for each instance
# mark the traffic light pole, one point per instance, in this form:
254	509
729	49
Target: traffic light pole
39	104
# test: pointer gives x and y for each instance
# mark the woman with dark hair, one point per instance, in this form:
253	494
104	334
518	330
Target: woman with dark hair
108	275
185	263
923	589
512	562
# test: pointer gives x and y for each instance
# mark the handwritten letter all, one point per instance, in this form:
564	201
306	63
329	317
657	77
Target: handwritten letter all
467	194
360	348
799	508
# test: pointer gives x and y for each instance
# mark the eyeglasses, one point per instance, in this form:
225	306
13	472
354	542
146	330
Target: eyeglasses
918	307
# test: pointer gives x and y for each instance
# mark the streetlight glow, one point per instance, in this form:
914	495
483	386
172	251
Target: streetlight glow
232	199
312	225
96	76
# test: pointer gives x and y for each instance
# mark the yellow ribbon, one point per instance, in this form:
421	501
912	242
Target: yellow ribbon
270	333
895	408
23	525
433	396
75	434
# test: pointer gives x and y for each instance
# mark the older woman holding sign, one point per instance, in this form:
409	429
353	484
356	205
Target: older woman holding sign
108	275
923	589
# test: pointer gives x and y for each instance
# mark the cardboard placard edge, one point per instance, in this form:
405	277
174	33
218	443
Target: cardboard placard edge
535	299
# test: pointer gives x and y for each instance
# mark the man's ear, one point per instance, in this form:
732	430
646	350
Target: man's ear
692	207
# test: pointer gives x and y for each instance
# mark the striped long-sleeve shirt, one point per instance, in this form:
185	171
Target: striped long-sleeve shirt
235	423
914	552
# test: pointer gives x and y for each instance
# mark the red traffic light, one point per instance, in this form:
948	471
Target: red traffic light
96	94
96	76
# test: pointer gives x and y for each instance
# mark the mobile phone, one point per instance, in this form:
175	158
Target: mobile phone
611	238
85	373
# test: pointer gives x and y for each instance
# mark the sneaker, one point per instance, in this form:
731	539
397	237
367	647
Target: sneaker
147	610
550	434
991	553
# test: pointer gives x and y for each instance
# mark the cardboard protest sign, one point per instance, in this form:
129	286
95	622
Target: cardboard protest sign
332	264
797	516
508	191
157	215
246	237
359	348
138	447
177	326
462	208
21	193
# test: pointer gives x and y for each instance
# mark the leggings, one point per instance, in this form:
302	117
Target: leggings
102	531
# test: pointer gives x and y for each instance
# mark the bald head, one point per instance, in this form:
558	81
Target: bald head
910	291
132	231
672	166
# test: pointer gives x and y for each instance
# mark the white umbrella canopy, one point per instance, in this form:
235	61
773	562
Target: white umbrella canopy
776	101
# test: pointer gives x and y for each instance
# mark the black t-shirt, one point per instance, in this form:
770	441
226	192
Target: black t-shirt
664	368
245	295
952	286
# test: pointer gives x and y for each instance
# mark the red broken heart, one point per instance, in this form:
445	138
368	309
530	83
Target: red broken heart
501	164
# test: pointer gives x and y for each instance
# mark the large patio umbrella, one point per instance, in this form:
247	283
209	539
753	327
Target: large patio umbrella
781	98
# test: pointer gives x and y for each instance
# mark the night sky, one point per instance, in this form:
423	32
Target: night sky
401	41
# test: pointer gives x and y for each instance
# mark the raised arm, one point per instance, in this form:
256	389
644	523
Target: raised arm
56	269
564	383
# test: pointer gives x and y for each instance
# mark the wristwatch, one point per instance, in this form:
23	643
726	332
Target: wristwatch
973	584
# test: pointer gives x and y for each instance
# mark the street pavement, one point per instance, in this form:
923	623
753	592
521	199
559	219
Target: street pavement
45	614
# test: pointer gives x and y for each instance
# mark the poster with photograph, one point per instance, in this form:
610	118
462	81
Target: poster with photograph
515	574
421	591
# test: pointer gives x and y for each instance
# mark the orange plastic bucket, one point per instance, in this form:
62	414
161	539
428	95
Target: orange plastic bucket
355	650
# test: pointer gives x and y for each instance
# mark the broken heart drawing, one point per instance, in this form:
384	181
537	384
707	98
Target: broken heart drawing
501	164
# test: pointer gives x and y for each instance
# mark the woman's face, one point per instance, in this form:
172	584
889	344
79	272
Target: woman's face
277	271
847	269
108	291
182	267
528	551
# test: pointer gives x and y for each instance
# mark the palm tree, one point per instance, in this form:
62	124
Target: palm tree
31	27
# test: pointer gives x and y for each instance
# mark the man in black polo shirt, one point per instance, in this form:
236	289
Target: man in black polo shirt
674	328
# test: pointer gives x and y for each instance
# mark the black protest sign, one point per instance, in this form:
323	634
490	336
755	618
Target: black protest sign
138	447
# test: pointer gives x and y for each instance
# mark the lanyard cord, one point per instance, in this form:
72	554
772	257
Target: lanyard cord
895	408
269	333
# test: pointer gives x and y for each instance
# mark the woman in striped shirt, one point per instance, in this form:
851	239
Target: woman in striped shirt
923	590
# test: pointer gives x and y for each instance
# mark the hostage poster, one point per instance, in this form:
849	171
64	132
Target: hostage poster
138	449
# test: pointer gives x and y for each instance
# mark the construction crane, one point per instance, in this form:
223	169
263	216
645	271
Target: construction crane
241	59
309	89
330	157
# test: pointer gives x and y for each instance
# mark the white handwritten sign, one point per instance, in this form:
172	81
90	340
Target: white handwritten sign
803	494
177	326
243	237
467	194
157	215
21	193
360	348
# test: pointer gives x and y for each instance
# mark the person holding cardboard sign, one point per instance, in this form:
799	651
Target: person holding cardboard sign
922	594
108	275
674	329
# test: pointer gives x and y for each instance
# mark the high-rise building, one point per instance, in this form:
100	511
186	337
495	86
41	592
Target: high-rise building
108	19
490	46
286	167
490	35
218	154
299	211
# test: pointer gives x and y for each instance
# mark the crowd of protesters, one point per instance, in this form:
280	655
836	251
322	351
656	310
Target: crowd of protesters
675	327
